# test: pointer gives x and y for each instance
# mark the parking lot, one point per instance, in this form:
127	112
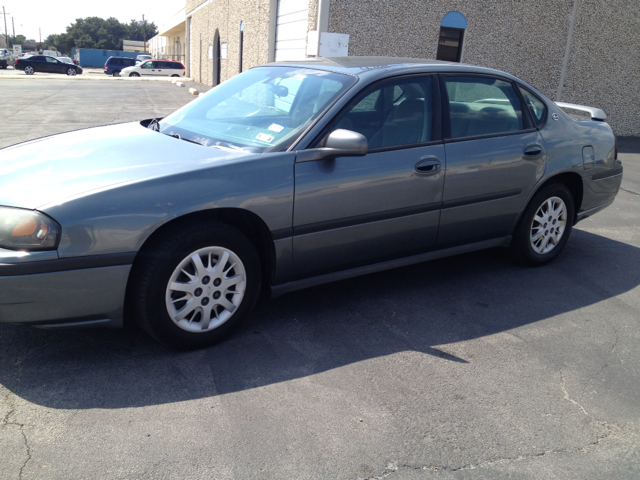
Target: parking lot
466	367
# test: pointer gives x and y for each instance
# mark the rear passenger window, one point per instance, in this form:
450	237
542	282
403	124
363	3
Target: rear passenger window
537	108
482	106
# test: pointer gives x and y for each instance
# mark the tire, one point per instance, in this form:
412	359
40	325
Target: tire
134	74
175	75
545	226
186	304
29	70
116	73
71	72
3	64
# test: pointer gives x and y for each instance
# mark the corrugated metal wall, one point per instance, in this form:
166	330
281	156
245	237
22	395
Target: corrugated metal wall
89	57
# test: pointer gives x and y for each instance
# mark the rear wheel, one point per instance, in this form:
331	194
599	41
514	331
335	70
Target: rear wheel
134	74
545	226
195	284
116	73
29	70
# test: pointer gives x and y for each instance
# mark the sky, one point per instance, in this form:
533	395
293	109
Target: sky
55	16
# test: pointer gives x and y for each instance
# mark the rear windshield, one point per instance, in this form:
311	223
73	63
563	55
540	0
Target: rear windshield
262	108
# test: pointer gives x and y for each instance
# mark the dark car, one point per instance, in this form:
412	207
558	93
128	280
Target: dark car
114	65
46	64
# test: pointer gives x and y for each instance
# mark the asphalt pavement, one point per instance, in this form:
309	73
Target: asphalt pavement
469	367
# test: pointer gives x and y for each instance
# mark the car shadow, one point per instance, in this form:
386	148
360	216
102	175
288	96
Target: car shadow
421	308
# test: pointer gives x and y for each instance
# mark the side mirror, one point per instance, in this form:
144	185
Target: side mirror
339	143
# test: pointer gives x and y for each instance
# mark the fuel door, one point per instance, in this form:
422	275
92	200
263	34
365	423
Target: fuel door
588	158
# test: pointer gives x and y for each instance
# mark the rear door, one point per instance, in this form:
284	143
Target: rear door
351	211
494	156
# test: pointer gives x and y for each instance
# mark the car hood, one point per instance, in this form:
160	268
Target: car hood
52	169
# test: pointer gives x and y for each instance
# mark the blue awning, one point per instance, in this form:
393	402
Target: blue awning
454	20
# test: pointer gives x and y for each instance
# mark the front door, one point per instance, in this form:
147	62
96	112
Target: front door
351	211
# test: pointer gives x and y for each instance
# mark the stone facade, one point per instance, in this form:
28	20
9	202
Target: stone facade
226	17
525	38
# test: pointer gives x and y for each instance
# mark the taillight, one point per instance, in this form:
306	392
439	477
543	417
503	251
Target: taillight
616	149
184	73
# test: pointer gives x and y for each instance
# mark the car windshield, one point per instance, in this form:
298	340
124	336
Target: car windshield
262	108
65	59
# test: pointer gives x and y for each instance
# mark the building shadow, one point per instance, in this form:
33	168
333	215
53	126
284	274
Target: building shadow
419	308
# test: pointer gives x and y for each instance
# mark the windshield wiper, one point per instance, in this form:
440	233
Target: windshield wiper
175	135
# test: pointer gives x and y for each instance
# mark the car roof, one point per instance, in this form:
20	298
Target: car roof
384	66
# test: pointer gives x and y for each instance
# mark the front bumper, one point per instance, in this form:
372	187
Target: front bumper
67	298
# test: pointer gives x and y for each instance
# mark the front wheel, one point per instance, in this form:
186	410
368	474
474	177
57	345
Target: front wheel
174	75
134	74
545	226
29	70
71	72
195	284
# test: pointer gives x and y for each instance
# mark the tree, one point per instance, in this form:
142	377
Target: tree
95	32
17	40
142	31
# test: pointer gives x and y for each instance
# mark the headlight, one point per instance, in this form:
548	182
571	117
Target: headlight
27	230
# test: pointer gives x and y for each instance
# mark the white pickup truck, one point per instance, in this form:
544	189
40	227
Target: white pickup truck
6	58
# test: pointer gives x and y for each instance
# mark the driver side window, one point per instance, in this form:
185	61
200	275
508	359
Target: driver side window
394	114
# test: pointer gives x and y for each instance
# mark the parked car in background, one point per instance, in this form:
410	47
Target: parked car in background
288	176
156	68
46	64
114	65
141	58
6	58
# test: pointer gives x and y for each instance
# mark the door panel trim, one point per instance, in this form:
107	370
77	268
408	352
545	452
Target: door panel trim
480	198
387	215
355	220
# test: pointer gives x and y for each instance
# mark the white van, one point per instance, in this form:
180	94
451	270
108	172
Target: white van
155	68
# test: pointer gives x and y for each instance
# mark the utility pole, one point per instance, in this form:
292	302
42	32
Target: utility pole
144	35
40	30
5	22
13	24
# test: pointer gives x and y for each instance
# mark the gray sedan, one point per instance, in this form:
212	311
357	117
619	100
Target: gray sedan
287	176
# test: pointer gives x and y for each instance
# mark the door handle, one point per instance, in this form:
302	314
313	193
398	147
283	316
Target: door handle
533	151
428	165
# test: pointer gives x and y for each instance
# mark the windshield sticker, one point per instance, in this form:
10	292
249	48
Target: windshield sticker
265	138
274	127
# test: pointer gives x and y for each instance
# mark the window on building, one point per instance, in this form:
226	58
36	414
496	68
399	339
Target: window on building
450	41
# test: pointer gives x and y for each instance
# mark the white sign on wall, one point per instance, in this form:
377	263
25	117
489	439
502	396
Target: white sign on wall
210	52
17	49
327	44
223	51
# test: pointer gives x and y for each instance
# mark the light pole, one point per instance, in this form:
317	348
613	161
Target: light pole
5	22
144	35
